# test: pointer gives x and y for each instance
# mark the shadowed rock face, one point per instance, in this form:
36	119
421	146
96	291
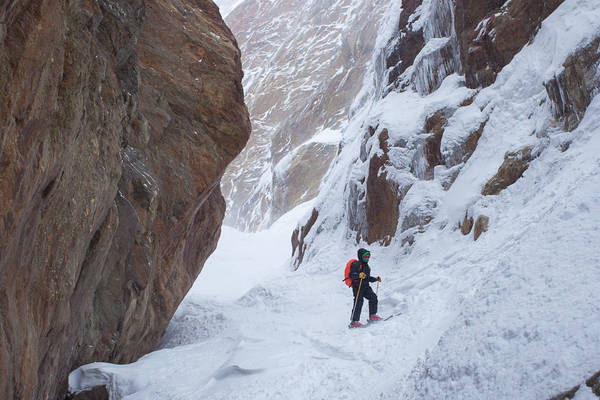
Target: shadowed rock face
593	383
509	172
491	32
383	197
476	38
422	53
407	46
571	91
117	120
299	236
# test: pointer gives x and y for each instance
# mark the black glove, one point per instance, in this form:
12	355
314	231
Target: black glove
378	279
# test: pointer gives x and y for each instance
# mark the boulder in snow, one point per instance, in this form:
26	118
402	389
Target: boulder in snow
510	171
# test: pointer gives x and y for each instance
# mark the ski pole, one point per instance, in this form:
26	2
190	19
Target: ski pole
377	290
356	300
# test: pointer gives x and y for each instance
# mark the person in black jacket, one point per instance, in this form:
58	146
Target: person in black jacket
360	273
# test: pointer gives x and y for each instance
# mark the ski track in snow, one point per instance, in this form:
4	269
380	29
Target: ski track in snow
512	315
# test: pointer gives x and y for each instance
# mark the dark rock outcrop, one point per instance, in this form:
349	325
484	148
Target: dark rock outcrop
434	126
98	393
509	172
462	151
478	226
117	121
299	237
569	394
407	45
593	383
383	197
467	225
431	50
372	203
481	225
492	32
572	90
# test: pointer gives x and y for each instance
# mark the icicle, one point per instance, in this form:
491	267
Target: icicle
439	57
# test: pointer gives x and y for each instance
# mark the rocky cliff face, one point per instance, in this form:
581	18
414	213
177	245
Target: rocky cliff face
304	63
571	91
402	165
491	32
118	119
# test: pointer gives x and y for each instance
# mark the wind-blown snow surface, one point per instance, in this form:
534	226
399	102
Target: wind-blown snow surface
513	315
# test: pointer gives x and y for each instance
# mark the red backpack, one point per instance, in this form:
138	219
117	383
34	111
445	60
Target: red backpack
347	278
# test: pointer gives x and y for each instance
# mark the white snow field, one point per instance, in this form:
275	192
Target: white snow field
513	315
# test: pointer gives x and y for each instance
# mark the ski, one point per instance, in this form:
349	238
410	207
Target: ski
369	322
394	315
390	317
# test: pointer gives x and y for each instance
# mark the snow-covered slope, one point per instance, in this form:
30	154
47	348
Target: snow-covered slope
409	159
510	315
520	323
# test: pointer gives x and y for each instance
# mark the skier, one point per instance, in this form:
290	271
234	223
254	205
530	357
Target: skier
360	273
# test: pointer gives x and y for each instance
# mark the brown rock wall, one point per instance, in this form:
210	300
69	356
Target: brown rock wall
408	43
404	49
299	237
593	383
509	172
434	127
462	151
467	225
492	32
114	136
383	197
571	91
481	225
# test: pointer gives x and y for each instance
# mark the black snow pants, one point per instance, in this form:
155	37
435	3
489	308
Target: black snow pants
365	293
